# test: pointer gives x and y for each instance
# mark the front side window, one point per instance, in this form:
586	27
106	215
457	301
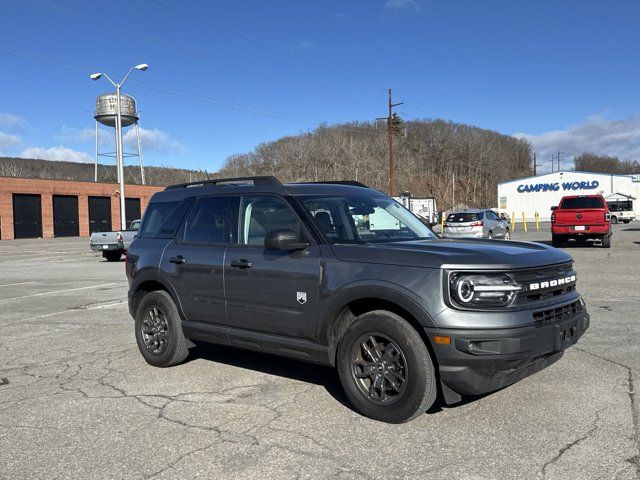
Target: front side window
263	214
208	221
362	219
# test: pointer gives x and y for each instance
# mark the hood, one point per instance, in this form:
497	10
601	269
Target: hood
450	253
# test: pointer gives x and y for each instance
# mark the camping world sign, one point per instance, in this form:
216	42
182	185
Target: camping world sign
554	187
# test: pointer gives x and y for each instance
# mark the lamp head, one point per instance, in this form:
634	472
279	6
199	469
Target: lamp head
95	76
142	66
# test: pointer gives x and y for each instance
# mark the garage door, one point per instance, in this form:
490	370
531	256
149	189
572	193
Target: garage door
27	216
65	216
99	214
132	209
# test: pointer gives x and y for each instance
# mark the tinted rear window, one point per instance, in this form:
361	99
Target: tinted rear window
465	217
162	219
582	202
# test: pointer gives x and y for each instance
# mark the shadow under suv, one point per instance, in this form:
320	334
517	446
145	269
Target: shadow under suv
340	274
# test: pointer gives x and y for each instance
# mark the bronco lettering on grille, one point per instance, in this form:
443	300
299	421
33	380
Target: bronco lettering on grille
552	283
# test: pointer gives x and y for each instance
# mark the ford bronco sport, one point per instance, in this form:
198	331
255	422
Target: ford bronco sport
340	274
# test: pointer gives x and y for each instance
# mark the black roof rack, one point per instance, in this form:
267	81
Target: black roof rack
262	180
353	183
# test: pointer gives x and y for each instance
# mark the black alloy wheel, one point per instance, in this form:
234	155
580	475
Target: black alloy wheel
154	330
379	368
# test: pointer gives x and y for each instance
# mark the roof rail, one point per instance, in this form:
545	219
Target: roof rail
353	183
260	180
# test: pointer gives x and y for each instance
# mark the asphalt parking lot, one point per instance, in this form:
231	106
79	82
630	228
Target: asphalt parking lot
78	401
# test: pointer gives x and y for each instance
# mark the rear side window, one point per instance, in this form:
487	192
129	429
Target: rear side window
582	202
162	219
208	221
465	217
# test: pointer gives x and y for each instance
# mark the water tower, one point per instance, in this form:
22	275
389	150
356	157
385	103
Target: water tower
105	114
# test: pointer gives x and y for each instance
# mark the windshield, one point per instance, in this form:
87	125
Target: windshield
363	219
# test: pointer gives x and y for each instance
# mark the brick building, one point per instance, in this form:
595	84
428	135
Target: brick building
32	208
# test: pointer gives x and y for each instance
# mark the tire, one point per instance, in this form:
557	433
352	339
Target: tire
159	330
626	221
614	220
606	241
359	371
507	235
556	240
490	236
113	256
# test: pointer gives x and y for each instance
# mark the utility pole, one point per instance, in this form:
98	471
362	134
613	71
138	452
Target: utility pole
389	119
557	158
536	165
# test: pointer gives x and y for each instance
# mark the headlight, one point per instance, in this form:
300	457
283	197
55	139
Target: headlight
483	290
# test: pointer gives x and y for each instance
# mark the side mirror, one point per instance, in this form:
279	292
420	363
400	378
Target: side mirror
284	239
554	207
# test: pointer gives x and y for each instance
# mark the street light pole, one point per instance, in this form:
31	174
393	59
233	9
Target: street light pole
119	154
120	160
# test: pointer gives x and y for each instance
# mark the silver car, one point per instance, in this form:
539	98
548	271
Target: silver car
476	224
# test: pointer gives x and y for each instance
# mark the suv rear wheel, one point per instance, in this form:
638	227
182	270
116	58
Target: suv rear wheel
159	330
385	368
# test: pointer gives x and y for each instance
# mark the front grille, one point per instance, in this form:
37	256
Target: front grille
553	315
539	276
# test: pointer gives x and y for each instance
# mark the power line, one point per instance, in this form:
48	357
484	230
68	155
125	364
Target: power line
198	56
263	45
180	93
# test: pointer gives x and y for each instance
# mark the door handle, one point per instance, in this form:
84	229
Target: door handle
178	260
242	263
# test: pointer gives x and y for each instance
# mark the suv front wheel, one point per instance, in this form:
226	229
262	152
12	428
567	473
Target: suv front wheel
159	330
385	368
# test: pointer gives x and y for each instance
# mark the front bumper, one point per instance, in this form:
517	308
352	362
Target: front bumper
482	361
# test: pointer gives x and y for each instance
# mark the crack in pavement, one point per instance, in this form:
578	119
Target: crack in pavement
571	444
635	460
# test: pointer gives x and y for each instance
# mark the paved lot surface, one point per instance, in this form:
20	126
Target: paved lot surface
81	403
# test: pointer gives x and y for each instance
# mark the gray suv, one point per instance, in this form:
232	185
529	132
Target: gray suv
340	274
476	224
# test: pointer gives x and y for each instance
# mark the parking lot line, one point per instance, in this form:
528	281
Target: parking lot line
15	284
59	291
98	307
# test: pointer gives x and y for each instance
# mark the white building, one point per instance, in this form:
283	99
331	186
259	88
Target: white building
540	193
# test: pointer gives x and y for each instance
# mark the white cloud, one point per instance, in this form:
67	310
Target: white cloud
152	140
595	134
57	153
8	142
13	122
414	5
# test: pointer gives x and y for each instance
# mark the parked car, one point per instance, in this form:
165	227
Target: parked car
476	224
297	270
114	244
581	217
621	211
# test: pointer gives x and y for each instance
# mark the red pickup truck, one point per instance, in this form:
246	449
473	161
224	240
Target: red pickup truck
581	217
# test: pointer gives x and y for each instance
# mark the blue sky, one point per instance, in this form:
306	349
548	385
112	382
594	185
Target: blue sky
563	74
